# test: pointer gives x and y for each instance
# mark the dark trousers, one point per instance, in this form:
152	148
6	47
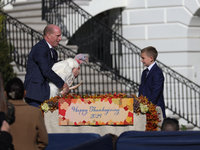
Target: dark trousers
33	102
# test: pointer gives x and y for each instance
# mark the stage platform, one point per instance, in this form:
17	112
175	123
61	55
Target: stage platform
52	125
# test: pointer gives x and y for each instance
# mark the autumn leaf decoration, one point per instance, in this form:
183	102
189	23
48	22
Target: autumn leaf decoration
141	105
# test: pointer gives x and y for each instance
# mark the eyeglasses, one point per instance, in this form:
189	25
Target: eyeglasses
58	35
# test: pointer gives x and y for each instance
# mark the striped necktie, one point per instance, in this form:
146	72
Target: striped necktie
147	72
54	54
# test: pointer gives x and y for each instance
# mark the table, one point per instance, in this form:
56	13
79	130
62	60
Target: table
52	125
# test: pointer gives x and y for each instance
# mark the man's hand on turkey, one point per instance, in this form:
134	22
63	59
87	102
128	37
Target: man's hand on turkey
76	71
65	89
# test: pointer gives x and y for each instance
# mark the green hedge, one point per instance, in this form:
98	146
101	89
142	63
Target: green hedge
6	68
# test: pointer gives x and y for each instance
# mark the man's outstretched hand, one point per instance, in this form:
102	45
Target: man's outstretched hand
76	71
65	89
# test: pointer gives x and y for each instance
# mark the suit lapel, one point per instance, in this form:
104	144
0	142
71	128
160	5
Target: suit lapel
149	74
49	53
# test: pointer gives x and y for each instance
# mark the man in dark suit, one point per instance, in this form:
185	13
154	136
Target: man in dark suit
40	61
152	80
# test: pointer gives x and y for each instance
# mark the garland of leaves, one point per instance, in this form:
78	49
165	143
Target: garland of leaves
141	105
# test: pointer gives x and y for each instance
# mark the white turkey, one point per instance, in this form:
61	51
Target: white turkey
64	70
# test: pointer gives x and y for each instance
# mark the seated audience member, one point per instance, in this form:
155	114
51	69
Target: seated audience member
5	106
170	124
5	137
28	130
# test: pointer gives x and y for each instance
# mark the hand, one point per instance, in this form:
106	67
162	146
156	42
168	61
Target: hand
76	71
5	126
65	89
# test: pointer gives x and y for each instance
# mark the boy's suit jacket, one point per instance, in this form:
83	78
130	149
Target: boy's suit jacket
39	73
152	87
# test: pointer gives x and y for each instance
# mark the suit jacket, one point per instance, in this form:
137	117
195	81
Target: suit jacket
39	72
28	131
152	87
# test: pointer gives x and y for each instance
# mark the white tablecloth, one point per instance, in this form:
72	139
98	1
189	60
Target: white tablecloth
52	125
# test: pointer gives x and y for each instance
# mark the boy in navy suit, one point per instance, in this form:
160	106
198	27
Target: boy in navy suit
152	80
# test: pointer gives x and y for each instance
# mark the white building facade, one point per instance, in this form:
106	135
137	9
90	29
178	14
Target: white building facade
172	26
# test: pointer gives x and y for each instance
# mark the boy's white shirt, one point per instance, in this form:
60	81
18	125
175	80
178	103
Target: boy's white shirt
151	66
50	48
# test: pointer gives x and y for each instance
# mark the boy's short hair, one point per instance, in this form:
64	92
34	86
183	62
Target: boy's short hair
15	89
170	124
150	51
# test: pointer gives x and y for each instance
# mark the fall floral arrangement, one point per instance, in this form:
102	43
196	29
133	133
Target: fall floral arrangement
141	105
